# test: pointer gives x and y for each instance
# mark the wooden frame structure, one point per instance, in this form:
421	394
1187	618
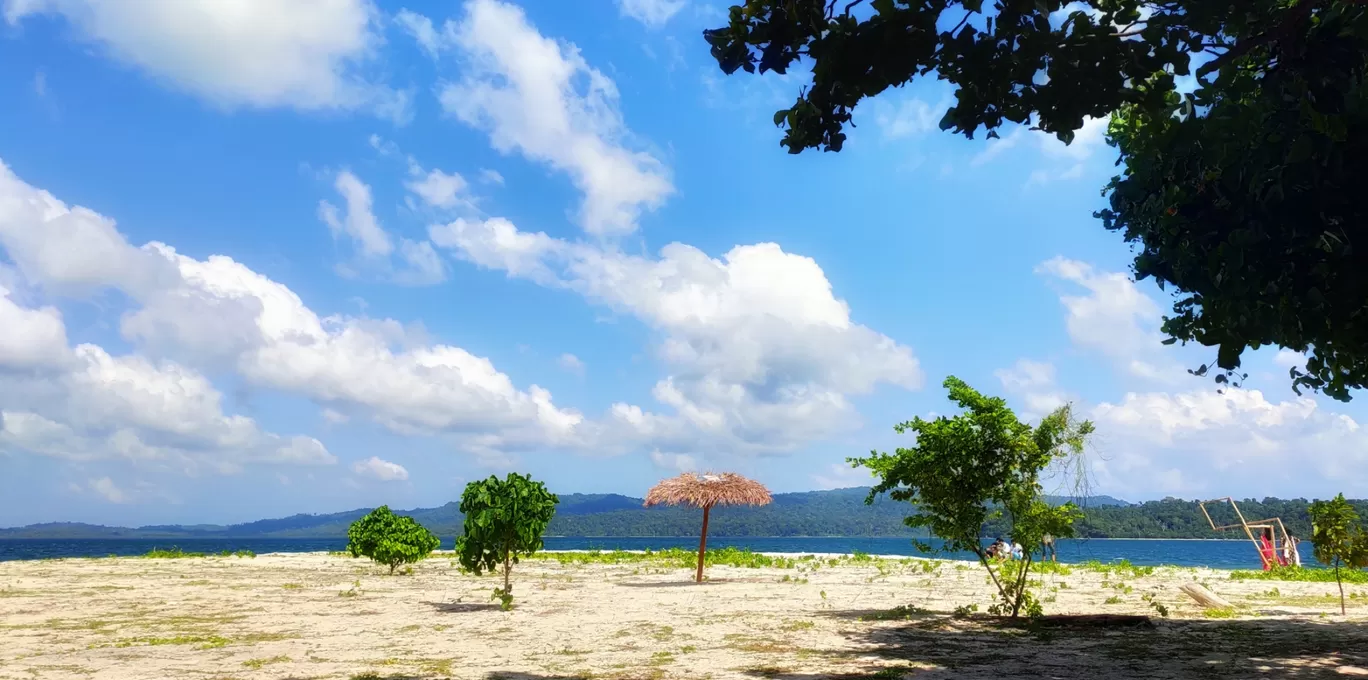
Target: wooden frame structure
1274	525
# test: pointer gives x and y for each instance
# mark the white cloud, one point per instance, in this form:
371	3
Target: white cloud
304	54
1027	374
1064	161
539	97
842	476
674	461
571	363
437	189
653	13
380	469
421	30
419	264
491	176
1034	382
993	148
1289	359
334	417
907	118
105	488
219	312
1087	140
359	223
422	265
498	244
1195	443
761	355
40	84
1207	444
1114	318
82	403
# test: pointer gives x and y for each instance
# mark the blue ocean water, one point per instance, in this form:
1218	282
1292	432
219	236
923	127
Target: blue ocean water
1216	554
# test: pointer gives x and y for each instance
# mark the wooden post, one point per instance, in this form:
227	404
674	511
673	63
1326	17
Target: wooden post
702	544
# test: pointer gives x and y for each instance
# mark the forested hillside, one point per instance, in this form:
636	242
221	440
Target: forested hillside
841	512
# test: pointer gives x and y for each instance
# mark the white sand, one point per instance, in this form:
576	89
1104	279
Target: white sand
301	616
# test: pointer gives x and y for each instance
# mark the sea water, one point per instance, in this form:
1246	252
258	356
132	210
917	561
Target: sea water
1231	554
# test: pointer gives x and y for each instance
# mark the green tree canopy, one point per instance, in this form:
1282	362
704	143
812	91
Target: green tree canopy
1239	196
982	465
390	539
1338	539
504	520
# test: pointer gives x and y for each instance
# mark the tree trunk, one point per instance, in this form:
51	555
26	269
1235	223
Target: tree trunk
1021	583
702	544
1343	611
508	571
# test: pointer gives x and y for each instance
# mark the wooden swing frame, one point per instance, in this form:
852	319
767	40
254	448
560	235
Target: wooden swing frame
1274	524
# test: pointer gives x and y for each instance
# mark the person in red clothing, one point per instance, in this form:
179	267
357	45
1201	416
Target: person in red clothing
1267	551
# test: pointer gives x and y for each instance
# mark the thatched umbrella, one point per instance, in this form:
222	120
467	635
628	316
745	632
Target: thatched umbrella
705	491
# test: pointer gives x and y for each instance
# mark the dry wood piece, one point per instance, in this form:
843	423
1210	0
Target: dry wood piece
1204	597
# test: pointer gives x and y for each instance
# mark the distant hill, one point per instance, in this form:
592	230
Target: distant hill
838	512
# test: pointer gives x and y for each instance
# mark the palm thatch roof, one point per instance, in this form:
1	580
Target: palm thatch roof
707	490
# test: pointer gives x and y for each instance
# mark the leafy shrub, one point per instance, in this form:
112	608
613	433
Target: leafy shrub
504	520
1338	539
390	539
979	466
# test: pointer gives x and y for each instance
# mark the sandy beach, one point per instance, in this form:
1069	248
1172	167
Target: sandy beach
326	616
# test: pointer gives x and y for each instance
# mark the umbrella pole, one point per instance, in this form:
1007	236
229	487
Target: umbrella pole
702	544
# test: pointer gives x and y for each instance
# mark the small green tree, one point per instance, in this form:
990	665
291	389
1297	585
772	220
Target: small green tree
390	539
504	520
981	465
1338	539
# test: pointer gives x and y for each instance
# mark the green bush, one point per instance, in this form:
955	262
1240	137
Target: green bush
504	520
390	539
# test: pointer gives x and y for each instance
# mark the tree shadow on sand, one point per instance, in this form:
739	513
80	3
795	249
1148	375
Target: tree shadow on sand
669	584
921	645
497	675
462	607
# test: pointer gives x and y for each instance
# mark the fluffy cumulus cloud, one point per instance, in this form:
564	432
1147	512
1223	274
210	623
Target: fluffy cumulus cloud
653	13
539	97
1203	443
304	54
81	403
217	312
380	470
1191	440
1111	316
761	354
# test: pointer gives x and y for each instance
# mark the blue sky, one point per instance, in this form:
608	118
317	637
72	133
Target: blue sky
335	253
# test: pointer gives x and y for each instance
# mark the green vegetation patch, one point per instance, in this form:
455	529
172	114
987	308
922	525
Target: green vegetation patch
258	663
1313	575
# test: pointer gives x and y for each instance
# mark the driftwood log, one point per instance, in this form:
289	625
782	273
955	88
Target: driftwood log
1204	597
